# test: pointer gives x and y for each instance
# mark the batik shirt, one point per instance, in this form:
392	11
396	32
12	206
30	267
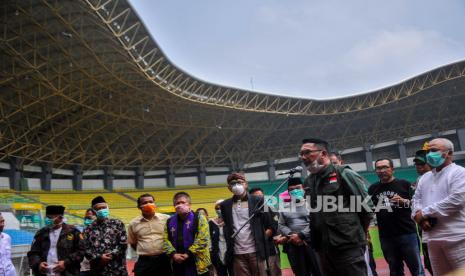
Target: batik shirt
106	236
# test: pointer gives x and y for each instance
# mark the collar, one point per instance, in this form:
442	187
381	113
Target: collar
442	170
387	183
156	216
329	169
237	198
186	218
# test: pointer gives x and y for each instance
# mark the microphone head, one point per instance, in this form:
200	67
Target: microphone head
298	169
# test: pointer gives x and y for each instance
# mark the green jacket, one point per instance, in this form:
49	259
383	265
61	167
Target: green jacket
338	229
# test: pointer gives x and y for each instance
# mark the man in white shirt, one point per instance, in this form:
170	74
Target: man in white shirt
439	208
6	266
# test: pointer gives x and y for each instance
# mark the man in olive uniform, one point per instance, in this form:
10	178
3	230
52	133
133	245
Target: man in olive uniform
58	248
339	236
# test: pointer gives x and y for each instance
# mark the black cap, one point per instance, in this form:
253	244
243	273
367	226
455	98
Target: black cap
294	181
420	156
98	200
315	141
54	210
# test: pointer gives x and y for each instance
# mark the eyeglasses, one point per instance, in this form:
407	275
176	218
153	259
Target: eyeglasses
308	152
382	168
235	182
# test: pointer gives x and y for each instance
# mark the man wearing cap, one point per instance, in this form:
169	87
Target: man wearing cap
439	208
339	236
246	252
145	235
57	248
6	266
106	242
294	229
422	167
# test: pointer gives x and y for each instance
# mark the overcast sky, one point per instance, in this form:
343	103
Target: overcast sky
307	48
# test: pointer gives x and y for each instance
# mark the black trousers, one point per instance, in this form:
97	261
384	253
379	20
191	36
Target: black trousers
347	262
223	270
303	260
153	265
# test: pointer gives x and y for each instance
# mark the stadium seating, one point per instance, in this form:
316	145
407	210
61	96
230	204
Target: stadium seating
81	200
19	237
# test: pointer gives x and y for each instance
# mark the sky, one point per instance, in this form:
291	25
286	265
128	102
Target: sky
317	49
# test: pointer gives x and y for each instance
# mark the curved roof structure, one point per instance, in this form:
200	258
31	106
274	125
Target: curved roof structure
83	82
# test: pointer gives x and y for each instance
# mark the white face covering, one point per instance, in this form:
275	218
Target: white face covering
238	189
315	167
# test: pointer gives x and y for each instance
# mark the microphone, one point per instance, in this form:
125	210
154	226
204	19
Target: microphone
292	171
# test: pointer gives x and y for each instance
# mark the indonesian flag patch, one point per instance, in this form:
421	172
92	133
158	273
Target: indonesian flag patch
332	178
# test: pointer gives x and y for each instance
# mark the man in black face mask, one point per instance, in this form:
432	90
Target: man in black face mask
246	252
339	236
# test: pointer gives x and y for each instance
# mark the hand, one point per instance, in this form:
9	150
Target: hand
425	225
280	239
59	267
179	258
106	258
295	239
419	218
398	199
43	266
269	233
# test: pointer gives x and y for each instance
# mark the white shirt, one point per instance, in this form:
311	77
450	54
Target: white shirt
244	242
6	266
441	195
52	256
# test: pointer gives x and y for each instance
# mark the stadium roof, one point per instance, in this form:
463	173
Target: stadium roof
83	82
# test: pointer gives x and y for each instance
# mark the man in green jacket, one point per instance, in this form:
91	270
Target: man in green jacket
338	227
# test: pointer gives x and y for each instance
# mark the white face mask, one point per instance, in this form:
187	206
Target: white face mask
315	167
238	189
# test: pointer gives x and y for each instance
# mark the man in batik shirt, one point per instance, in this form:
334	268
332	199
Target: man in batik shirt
106	242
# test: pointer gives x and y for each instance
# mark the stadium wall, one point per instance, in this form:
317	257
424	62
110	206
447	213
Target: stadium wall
62	179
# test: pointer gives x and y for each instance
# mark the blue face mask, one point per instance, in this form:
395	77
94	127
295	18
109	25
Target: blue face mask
435	159
103	213
88	221
48	221
298	194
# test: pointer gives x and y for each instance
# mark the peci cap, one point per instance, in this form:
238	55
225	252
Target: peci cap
54	210
294	181
97	200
